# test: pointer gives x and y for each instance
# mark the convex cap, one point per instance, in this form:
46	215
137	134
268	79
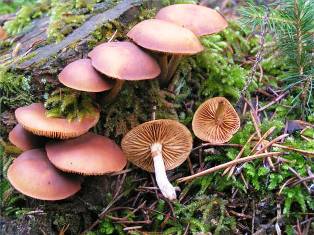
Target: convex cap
24	139
161	36
124	61
199	19
33	175
215	121
89	154
175	138
33	118
81	75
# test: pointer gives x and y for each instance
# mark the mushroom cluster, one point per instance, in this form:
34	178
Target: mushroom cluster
55	148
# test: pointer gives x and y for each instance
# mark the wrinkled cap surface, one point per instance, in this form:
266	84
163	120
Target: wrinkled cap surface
162	36
208	128
81	75
33	175
24	139
33	118
89	154
124	60
175	138
199	19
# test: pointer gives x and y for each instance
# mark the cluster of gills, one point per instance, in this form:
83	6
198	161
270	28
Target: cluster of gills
154	146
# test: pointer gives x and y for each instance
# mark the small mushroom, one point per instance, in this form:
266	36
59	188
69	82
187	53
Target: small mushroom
158	146
32	174
24	139
215	121
199	19
89	154
123	61
81	75
166	38
33	118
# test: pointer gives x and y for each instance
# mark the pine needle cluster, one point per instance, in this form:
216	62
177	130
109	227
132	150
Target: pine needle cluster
292	24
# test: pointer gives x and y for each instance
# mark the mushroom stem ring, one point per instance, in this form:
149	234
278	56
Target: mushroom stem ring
163	183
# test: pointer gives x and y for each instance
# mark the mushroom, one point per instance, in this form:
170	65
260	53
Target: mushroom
33	118
89	154
123	61
166	38
215	121
24	139
199	19
81	75
158	146
32	174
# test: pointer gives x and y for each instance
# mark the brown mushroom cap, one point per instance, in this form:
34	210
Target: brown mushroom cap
162	36
124	60
199	19
89	154
212	126
81	75
33	118
33	175
24	139
175	138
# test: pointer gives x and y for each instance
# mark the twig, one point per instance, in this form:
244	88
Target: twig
231	169
228	164
272	142
267	133
273	102
307	153
218	145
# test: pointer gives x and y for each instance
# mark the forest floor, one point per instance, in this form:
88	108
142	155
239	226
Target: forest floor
269	195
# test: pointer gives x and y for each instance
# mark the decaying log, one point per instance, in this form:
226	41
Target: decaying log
79	35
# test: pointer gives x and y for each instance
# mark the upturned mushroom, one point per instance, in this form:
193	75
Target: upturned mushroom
33	118
215	121
168	39
89	154
157	146
24	139
123	61
81	75
200	20
33	175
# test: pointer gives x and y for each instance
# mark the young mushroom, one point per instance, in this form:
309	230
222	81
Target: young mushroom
165	38
24	139
33	118
215	121
123	61
89	154
158	146
32	174
81	75
199	19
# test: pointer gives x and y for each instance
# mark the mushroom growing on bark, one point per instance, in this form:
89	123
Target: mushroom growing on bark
32	174
165	38
157	146
33	118
81	75
24	139
89	154
123	61
215	121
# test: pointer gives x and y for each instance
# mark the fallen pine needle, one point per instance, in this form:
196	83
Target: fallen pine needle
228	164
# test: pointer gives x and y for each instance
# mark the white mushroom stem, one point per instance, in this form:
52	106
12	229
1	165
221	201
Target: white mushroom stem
163	183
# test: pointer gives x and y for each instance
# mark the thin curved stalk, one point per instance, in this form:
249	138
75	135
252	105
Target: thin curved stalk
172	66
163	63
114	91
163	183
